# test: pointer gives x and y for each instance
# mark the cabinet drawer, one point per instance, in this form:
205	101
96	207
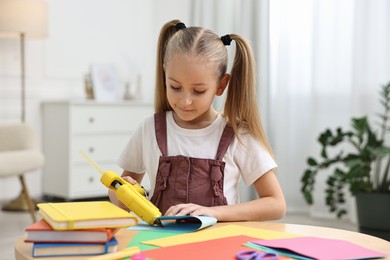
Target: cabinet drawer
100	119
102	148
85	181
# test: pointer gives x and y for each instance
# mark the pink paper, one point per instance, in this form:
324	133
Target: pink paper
321	248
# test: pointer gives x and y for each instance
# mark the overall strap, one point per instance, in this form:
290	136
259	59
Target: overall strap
160	126
226	139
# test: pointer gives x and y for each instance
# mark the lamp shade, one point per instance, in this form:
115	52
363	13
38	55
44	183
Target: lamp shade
28	17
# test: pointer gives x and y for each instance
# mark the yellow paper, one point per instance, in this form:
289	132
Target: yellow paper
221	232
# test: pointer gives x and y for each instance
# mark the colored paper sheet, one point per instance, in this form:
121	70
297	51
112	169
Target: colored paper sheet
321	248
221	248
178	224
143	235
220	232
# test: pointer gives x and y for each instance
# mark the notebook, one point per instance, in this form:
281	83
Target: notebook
42	232
85	215
73	249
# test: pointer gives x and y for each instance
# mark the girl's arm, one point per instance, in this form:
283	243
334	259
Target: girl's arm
131	177
270	206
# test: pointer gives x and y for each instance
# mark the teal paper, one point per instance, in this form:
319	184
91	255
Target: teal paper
143	235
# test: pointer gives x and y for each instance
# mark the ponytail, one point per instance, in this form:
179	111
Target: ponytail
241	108
160	100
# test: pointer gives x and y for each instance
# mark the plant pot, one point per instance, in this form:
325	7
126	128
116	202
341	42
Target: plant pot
373	212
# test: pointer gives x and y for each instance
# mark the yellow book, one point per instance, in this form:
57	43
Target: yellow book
85	215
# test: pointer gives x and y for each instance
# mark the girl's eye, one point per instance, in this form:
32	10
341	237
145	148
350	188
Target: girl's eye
175	88
199	92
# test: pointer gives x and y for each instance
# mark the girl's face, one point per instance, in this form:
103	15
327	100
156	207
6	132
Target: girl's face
191	87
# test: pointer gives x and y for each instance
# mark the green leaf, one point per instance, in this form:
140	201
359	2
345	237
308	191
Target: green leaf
312	162
308	197
324	154
380	151
360	125
331	180
323	138
341	212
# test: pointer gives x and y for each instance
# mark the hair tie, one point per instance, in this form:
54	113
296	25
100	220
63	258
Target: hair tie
180	26
226	39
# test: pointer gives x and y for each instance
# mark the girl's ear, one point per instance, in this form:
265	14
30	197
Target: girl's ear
223	84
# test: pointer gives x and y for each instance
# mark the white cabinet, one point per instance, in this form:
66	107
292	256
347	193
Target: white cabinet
100	129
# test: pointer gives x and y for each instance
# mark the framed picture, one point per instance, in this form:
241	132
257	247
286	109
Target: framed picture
105	82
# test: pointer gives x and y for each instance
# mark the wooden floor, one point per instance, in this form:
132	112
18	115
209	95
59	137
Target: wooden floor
12	225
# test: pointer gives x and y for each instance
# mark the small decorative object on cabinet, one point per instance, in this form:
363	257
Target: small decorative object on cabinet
101	129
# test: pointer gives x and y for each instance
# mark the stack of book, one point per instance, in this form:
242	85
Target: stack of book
77	228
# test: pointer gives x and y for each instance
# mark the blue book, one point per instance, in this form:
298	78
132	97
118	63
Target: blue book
73	249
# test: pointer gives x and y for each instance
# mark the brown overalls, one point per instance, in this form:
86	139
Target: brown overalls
182	179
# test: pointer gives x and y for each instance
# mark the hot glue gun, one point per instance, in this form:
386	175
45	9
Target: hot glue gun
131	195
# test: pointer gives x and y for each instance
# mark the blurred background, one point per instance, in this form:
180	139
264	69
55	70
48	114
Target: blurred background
318	64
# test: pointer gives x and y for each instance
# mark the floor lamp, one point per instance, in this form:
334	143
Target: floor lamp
22	19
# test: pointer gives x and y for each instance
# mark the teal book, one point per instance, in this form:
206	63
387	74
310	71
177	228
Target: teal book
73	249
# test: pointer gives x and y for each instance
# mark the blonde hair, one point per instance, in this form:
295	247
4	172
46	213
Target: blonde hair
240	109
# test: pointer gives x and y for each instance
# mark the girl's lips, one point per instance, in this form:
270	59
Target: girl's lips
186	110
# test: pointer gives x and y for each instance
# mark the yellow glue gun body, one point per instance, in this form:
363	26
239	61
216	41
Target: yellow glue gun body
133	197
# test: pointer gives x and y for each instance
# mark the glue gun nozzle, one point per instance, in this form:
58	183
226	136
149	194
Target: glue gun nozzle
158	223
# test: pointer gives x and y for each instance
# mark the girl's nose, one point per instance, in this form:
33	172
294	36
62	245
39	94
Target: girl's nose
186	99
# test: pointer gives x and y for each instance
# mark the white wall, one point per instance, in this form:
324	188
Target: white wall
122	32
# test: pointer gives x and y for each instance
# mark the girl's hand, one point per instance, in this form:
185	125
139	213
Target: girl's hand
112	195
129	179
190	209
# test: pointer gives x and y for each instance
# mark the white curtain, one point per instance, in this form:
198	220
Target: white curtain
328	60
320	62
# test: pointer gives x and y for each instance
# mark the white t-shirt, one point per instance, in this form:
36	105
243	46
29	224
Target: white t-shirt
248	160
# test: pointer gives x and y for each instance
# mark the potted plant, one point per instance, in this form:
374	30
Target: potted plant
359	161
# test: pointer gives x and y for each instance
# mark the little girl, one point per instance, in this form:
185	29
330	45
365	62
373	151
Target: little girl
195	156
